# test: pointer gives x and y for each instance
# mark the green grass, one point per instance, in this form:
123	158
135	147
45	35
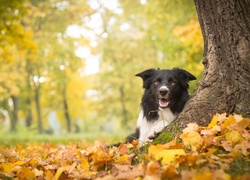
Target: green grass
25	138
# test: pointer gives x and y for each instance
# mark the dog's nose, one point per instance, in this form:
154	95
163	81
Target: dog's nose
163	90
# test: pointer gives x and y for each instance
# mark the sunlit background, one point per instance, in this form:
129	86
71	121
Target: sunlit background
67	66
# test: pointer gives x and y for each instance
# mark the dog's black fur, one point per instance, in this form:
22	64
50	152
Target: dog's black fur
165	90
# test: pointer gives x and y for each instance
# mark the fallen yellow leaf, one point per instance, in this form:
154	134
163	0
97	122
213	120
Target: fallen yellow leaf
122	159
233	136
169	155
26	173
85	164
230	120
155	149
6	167
244	123
192	140
203	175
59	172
213	122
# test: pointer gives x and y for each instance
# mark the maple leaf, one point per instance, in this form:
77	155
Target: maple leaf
213	122
38	172
221	117
233	136
122	159
244	123
208	141
84	164
211	131
165	155
100	158
123	149
59	172
6	167
130	172
169	172
192	140
155	149
205	175
228	121
243	148
228	146
153	168
162	161
26	173
188	159
191	127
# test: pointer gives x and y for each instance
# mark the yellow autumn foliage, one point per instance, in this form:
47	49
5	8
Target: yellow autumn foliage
128	161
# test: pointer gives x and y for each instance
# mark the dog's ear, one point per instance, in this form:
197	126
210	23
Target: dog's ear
146	74
186	75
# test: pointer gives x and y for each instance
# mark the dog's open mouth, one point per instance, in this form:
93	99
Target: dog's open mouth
163	103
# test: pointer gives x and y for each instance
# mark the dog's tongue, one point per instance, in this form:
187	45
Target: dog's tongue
164	103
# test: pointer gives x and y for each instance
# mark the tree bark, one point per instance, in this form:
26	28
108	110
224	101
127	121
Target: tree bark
66	109
38	109
28	101
124	109
29	117
13	112
225	84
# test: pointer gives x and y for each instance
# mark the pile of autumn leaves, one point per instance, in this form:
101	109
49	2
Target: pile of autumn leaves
217	151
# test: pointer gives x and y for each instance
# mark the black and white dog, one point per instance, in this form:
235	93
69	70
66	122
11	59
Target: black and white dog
166	92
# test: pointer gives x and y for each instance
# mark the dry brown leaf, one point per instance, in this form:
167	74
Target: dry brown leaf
228	146
123	149
191	127
153	169
169	172
233	136
242	148
96	161
192	140
26	173
228	121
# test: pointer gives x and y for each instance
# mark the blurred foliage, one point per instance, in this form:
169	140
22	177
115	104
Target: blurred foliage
47	47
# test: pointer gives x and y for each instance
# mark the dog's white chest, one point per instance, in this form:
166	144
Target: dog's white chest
148	129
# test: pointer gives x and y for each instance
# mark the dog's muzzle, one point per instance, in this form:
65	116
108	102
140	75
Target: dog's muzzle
163	97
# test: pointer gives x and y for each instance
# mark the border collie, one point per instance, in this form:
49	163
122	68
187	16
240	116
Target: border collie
165	94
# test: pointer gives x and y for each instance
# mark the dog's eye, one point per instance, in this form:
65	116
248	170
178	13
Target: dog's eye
157	82
172	83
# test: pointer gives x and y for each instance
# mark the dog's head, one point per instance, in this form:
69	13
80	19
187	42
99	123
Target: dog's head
166	86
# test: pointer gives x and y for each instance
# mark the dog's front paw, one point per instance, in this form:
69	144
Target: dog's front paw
155	135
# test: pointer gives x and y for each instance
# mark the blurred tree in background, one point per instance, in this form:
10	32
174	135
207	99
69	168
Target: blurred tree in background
70	65
162	34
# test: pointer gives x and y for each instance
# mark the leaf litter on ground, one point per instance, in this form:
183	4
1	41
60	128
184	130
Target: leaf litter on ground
219	151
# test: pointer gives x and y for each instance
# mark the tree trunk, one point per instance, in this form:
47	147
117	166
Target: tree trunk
29	114
225	84
38	110
66	110
124	110
28	101
29	118
13	112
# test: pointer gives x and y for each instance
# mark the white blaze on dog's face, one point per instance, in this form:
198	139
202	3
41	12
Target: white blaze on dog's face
162	96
